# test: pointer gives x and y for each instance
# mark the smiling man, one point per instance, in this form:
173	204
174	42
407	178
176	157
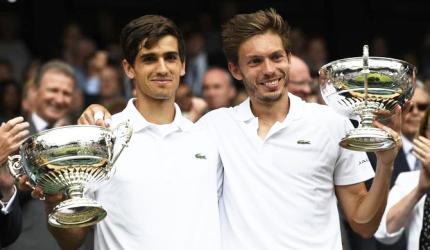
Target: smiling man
284	171
54	85
164	194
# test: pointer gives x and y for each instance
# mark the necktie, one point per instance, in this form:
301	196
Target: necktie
49	126
417	164
425	230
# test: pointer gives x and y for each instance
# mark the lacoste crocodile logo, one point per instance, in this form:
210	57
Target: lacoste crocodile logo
200	156
303	142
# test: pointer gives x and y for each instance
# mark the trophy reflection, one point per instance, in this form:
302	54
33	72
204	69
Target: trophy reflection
359	86
71	159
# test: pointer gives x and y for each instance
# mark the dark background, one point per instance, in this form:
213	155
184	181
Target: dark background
346	25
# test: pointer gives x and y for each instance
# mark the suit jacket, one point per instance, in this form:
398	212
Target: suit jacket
10	225
400	165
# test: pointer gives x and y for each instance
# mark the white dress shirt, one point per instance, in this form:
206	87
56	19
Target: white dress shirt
6	206
405	183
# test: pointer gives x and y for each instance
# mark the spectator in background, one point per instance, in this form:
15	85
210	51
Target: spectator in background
94	64
6	70
197	62
72	34
408	206
10	100
298	42
111	94
316	54
379	47
299	81
218	88
53	87
12	47
192	107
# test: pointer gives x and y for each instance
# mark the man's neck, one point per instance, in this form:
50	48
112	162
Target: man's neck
156	111
274	111
269	113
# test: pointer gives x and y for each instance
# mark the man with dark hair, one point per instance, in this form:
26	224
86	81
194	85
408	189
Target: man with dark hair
164	194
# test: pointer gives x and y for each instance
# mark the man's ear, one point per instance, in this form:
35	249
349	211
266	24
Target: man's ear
235	71
128	69
183	69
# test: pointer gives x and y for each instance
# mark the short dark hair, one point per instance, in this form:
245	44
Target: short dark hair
55	65
146	31
244	26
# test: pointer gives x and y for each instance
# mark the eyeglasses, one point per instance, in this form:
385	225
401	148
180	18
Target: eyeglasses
420	106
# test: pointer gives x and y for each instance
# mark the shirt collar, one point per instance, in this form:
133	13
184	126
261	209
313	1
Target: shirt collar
406	145
38	122
140	123
244	112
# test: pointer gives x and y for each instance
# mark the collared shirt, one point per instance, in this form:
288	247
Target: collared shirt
38	121
279	192
6	209
164	193
407	147
404	184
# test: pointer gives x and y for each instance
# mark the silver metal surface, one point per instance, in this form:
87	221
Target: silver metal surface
359	86
69	159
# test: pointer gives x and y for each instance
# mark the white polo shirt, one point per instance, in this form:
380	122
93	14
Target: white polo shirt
278	193
163	195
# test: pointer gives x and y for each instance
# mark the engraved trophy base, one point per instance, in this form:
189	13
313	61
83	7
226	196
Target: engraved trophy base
368	139
76	212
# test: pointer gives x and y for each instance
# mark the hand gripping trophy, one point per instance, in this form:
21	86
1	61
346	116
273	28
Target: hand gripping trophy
360	86
70	159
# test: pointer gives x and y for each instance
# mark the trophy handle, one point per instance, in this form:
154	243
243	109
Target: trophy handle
122	134
14	165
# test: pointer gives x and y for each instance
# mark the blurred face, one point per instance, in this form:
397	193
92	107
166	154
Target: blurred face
54	96
156	71
183	97
217	91
412	120
263	67
300	79
109	84
11	97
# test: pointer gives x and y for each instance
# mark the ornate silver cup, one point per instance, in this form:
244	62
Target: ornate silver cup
71	159
357	87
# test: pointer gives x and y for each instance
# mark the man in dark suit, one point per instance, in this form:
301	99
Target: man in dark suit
54	86
10	223
11	135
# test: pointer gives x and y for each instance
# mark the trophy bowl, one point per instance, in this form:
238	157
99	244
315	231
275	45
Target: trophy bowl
71	159
358	87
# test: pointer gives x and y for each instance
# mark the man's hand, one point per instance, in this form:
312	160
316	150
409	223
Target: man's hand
387	157
95	114
12	134
422	152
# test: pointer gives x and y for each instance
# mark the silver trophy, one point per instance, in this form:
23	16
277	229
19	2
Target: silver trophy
71	159
359	86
